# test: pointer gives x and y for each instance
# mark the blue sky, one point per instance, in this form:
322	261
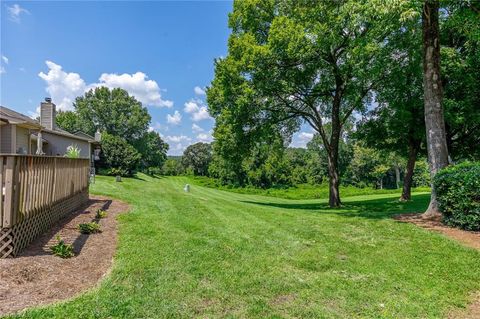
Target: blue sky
161	52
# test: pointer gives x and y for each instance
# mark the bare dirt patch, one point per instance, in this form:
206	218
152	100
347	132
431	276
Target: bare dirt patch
36	277
467	238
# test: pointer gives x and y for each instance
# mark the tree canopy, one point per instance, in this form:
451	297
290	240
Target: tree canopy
291	62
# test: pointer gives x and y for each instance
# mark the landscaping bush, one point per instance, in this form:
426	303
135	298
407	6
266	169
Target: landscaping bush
89	228
101	214
458	192
73	151
62	250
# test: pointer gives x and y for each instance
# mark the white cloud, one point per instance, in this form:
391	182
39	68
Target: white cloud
63	87
138	85
196	128
202	114
36	114
176	118
2	69
205	137
177	149
301	139
198	90
191	106
198	110
15	11
155	127
177	143
177	138
5	59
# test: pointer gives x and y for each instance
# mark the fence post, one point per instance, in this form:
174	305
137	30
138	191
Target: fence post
9	192
1	191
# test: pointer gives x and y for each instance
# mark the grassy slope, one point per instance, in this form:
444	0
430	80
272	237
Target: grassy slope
212	254
303	191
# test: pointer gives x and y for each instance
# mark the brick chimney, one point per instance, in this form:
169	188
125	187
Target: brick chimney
47	114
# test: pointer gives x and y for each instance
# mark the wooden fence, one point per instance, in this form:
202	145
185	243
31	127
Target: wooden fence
36	191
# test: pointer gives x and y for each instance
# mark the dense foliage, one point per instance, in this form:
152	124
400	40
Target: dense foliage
277	166
458	194
115	113
197	157
118	156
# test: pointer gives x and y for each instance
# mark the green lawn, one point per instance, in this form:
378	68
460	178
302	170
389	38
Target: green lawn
211	254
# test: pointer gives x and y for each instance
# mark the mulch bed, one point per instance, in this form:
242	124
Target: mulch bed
468	238
36	277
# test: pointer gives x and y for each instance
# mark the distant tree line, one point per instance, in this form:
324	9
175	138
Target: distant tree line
274	165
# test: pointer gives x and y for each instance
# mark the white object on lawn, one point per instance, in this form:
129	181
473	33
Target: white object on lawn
187	188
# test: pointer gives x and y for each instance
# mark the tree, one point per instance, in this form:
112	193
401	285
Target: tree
197	157
313	61
152	148
266	166
118	156
173	167
112	111
397	124
68	121
364	166
460	55
345	152
434	121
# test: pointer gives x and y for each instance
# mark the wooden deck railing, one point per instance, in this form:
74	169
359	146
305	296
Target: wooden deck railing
31	184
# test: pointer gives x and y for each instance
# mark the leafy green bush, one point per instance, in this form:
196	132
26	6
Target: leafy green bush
89	228
73	151
101	214
458	192
62	250
120	157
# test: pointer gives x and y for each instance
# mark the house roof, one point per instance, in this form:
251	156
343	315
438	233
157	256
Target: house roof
12	117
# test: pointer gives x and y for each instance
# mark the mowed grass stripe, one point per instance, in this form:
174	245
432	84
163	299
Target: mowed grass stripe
218	254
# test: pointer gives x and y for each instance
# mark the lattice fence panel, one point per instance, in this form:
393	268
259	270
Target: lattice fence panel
14	240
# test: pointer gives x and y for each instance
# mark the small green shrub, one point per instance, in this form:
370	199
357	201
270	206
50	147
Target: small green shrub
101	213
62	250
73	151
458	193
89	228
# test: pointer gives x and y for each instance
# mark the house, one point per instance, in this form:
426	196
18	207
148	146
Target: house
20	134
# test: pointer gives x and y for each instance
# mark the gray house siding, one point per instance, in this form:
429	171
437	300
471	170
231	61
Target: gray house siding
6	138
57	145
23	137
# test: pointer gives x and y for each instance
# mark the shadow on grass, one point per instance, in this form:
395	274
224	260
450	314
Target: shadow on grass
373	209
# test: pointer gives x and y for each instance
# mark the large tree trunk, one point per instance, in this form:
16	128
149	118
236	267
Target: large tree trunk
413	147
334	179
434	121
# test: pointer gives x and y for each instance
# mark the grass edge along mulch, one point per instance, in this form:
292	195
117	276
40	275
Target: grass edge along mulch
466	238
36	277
